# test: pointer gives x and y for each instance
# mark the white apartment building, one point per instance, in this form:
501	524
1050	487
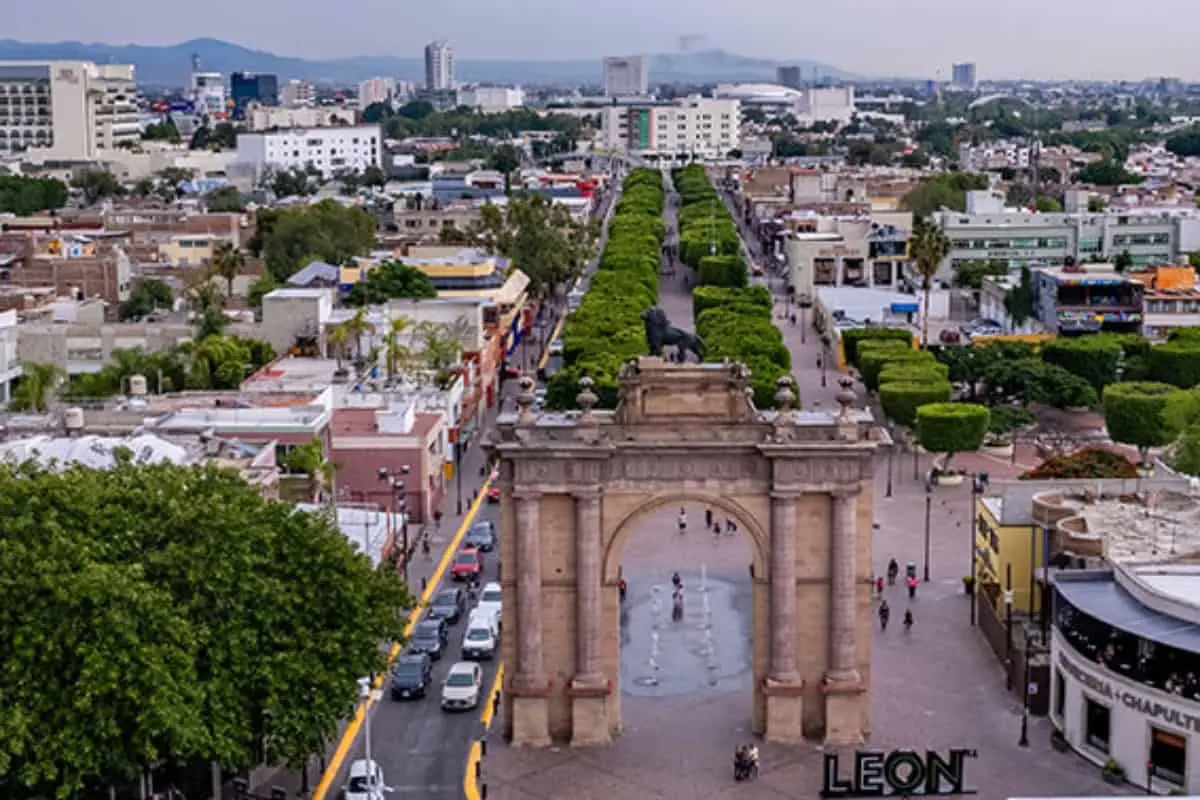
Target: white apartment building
491	99
331	150
296	93
376	90
699	127
439	67
1019	239
66	110
265	118
626	76
209	94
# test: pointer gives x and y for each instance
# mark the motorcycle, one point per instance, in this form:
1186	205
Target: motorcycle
745	765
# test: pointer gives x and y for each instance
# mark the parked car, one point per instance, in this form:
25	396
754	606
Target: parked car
467	564
365	781
411	675
429	636
448	604
462	688
482	536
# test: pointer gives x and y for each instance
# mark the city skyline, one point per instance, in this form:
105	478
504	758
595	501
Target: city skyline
1028	40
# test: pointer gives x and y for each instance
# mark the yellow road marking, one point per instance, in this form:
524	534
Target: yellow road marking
470	785
347	740
545	359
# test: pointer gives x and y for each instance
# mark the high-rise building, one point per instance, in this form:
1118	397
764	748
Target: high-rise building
68	110
791	77
296	93
208	93
962	77
702	128
626	76
247	87
439	67
376	90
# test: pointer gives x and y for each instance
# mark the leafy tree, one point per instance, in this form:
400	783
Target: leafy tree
1144	414
970	275
172	618
376	113
1107	173
1020	300
397	354
144	187
228	261
164	131
24	196
262	287
207	304
1184	144
146	296
441	348
291	183
225	199
540	237
328	231
390	280
1096	359
309	459
901	399
1187	451
506	160
928	246
947	189
1123	261
37	384
373	176
1048	205
951	428
1177	362
224	135
96	184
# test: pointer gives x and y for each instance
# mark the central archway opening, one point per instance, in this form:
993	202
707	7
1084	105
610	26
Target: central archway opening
689	566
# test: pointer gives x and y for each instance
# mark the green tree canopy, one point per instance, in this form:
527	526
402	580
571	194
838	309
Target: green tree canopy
24	196
225	199
388	281
327	231
146	296
171	617
540	237
1107	173
951	428
96	184
1185	143
1144	414
948	189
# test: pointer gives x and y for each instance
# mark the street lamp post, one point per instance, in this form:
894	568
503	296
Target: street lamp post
459	447
364	694
1008	625
977	484
825	342
928	509
805	304
1046	533
1024	740
891	452
398	501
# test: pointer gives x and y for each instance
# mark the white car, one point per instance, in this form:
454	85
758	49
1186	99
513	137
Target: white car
556	347
365	781
481	638
462	687
490	601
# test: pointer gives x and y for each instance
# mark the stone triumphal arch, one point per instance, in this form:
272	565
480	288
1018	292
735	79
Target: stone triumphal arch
800	482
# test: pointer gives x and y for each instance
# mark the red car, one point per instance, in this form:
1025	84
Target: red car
493	492
467	564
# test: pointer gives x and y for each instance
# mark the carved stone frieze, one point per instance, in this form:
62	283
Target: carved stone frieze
649	467
818	470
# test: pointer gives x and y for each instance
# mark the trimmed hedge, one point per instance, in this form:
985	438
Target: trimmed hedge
606	330
1177	362
1145	414
901	400
705	226
728	271
851	339
706	297
952	427
872	363
1093	358
906	372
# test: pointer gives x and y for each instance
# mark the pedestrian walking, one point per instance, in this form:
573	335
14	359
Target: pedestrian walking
682	522
911	582
885	613
879	585
892	571
908	620
708	518
730	527
437	520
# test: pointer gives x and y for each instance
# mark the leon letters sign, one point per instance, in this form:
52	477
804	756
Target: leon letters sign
898	773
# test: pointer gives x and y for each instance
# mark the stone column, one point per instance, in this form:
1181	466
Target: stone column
530	666
588	574
783	588
843	634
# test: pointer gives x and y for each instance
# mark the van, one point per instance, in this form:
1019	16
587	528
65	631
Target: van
479	642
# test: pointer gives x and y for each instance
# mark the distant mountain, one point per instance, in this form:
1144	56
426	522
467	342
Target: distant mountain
170	65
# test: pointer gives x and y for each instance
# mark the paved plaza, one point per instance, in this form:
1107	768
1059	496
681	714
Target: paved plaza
937	687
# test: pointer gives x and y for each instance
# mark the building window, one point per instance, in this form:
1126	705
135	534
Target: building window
1168	756
1060	694
1096	725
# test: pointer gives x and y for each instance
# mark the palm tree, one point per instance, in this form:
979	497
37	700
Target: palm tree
228	262
356	327
309	459
397	353
337	338
927	246
39	381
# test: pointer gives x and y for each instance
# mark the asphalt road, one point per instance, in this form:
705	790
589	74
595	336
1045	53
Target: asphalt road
421	749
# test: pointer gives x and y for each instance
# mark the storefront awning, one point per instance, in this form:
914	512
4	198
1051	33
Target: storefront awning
1107	602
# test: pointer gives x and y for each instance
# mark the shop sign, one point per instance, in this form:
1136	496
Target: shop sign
1135	701
900	773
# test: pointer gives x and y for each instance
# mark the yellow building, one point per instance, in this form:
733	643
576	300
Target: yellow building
188	251
1001	546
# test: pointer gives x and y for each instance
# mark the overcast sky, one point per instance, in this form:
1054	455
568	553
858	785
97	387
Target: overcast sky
911	38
